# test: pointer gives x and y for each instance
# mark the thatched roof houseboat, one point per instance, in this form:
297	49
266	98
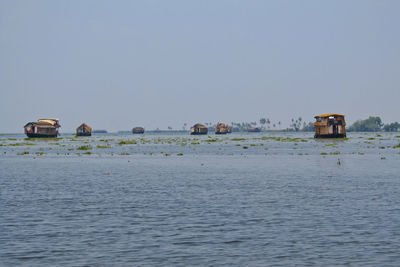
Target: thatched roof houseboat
42	128
330	125
254	130
83	130
198	128
138	130
222	128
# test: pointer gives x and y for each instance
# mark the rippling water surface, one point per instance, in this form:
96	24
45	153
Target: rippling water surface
240	199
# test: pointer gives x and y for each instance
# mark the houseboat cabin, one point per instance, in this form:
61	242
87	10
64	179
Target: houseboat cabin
138	130
330	126
83	130
222	128
42	128
198	128
253	130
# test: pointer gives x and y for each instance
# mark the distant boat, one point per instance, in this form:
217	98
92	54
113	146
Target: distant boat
254	130
138	130
222	128
330	126
198	128
99	131
83	130
42	128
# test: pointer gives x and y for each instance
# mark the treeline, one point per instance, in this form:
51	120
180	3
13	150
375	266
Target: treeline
372	124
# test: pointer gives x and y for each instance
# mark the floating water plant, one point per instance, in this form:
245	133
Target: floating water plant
23	153
101	146
238	139
127	142
22	144
87	147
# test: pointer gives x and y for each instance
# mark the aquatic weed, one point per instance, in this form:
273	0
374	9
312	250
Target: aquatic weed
238	139
87	147
101	146
127	142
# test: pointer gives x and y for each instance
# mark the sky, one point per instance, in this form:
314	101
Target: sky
120	64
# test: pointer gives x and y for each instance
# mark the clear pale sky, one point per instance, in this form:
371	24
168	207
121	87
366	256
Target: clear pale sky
120	64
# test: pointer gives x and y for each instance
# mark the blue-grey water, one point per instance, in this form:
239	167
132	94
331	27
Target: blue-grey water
240	199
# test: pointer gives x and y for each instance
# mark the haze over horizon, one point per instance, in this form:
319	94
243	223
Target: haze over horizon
120	64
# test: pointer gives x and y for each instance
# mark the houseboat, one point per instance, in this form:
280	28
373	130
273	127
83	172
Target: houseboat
330	126
138	130
83	130
222	128
42	128
198	128
254	130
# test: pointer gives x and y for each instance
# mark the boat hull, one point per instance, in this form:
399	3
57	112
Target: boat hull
84	134
198	133
36	135
330	136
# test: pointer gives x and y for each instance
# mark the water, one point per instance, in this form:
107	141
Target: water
241	199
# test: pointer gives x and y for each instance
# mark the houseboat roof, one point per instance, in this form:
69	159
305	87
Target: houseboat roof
50	121
199	125
329	115
85	126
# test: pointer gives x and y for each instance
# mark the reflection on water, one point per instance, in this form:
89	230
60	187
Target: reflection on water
250	199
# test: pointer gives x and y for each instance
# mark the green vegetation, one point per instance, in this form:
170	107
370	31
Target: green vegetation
127	142
23	153
22	144
101	146
87	147
372	124
392	127
238	139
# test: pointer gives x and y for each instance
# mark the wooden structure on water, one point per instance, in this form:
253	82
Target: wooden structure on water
198	128
138	130
254	130
222	128
42	128
83	130
330	125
